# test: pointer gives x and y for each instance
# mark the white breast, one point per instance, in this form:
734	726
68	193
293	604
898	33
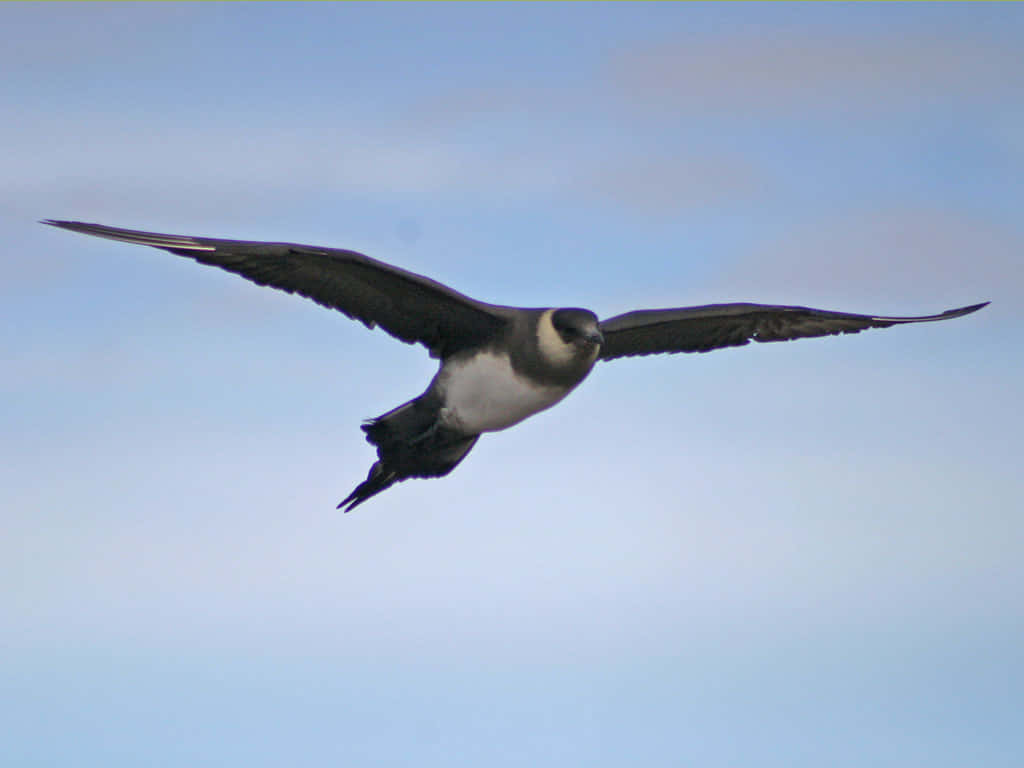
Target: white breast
484	394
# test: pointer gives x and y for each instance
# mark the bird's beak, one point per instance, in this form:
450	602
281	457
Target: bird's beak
595	337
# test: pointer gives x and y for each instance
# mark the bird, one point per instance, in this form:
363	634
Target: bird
498	365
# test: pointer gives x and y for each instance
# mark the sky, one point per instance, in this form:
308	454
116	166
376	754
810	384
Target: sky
778	555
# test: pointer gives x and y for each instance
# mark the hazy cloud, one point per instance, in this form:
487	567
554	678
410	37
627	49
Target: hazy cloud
795	69
168	155
39	39
132	164
893	256
670	185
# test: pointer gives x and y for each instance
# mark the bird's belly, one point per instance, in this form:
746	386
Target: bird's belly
485	394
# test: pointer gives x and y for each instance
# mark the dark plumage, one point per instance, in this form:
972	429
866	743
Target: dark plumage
713	326
499	364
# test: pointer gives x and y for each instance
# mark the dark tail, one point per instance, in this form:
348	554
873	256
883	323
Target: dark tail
410	443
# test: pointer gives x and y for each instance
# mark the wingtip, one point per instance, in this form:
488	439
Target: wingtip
968	310
62	223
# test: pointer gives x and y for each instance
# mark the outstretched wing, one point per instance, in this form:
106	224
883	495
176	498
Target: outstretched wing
701	329
410	307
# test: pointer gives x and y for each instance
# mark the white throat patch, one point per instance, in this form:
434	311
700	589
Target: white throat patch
554	351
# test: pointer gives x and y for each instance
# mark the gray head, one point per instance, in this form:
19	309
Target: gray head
577	326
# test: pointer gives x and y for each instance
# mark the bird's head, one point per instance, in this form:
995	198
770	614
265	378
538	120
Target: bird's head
577	327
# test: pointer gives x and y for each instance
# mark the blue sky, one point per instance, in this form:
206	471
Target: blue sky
780	555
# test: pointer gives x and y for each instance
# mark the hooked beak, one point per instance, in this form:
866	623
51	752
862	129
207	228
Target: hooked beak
595	337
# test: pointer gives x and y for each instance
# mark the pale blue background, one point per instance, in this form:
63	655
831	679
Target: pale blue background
798	554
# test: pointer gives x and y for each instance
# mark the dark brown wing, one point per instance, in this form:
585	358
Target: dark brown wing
410	307
701	329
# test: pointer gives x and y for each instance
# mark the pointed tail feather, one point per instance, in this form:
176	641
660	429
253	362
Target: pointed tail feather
410	443
376	481
433	457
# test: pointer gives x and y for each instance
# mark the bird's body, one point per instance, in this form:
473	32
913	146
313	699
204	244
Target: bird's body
498	365
528	370
522	371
